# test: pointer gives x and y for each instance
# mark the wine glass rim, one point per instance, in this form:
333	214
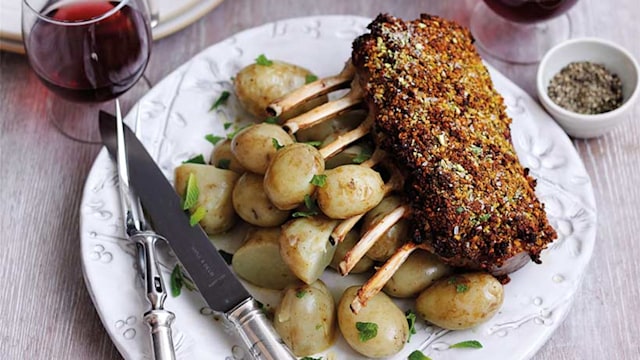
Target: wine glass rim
40	15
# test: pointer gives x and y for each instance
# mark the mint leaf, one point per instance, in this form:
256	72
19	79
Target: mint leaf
176	281
191	193
362	157
221	100
469	344
309	78
262	60
197	215
276	144
213	139
411	320
271	120
198	159
319	180
315	144
366	330
418	355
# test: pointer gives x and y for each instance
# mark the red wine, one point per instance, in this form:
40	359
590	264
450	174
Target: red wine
90	62
529	11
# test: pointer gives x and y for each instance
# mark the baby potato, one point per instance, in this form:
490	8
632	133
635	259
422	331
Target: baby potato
343	247
305	246
306	318
215	187
393	238
259	262
223	158
288	177
350	190
414	275
252	204
254	146
257	86
461	301
381	313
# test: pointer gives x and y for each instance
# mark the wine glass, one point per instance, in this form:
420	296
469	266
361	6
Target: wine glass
520	31
86	51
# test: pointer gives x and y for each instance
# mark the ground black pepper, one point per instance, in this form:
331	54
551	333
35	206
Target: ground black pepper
587	88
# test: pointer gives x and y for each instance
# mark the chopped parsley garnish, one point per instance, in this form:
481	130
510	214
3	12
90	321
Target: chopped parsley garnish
301	293
411	320
213	139
418	355
366	330
271	120
315	144
223	164
310	204
460	209
198	159
309	78
460	286
191	193
221	100
180	280
197	215
319	180
276	144
362	157
469	344
484	217
262	60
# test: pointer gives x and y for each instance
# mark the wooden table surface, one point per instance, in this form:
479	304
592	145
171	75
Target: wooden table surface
45	309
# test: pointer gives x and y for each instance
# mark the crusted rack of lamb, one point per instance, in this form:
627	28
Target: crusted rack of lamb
436	114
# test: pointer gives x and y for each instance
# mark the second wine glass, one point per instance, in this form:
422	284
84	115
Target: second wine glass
88	51
520	31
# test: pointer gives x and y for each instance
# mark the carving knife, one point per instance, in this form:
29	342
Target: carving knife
220	288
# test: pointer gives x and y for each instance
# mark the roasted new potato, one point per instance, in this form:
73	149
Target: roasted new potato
461	301
223	158
252	204
378	330
259	262
420	270
305	246
288	177
350	190
306	318
255	145
215	187
257	86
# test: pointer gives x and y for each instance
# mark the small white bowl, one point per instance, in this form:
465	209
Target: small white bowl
614	58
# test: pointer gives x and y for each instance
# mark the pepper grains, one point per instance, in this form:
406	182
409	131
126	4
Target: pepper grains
586	88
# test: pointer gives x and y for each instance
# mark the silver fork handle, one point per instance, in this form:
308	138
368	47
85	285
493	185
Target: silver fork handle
158	319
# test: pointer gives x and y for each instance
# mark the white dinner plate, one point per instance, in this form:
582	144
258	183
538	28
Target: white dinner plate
175	118
174	16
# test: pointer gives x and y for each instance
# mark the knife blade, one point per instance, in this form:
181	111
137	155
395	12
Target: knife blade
220	288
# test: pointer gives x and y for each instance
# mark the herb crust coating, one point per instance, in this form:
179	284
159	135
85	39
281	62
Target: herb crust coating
439	117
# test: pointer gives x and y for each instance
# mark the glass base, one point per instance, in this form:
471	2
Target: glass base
79	121
515	42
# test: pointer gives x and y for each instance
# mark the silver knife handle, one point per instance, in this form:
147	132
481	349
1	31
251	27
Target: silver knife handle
257	333
160	323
